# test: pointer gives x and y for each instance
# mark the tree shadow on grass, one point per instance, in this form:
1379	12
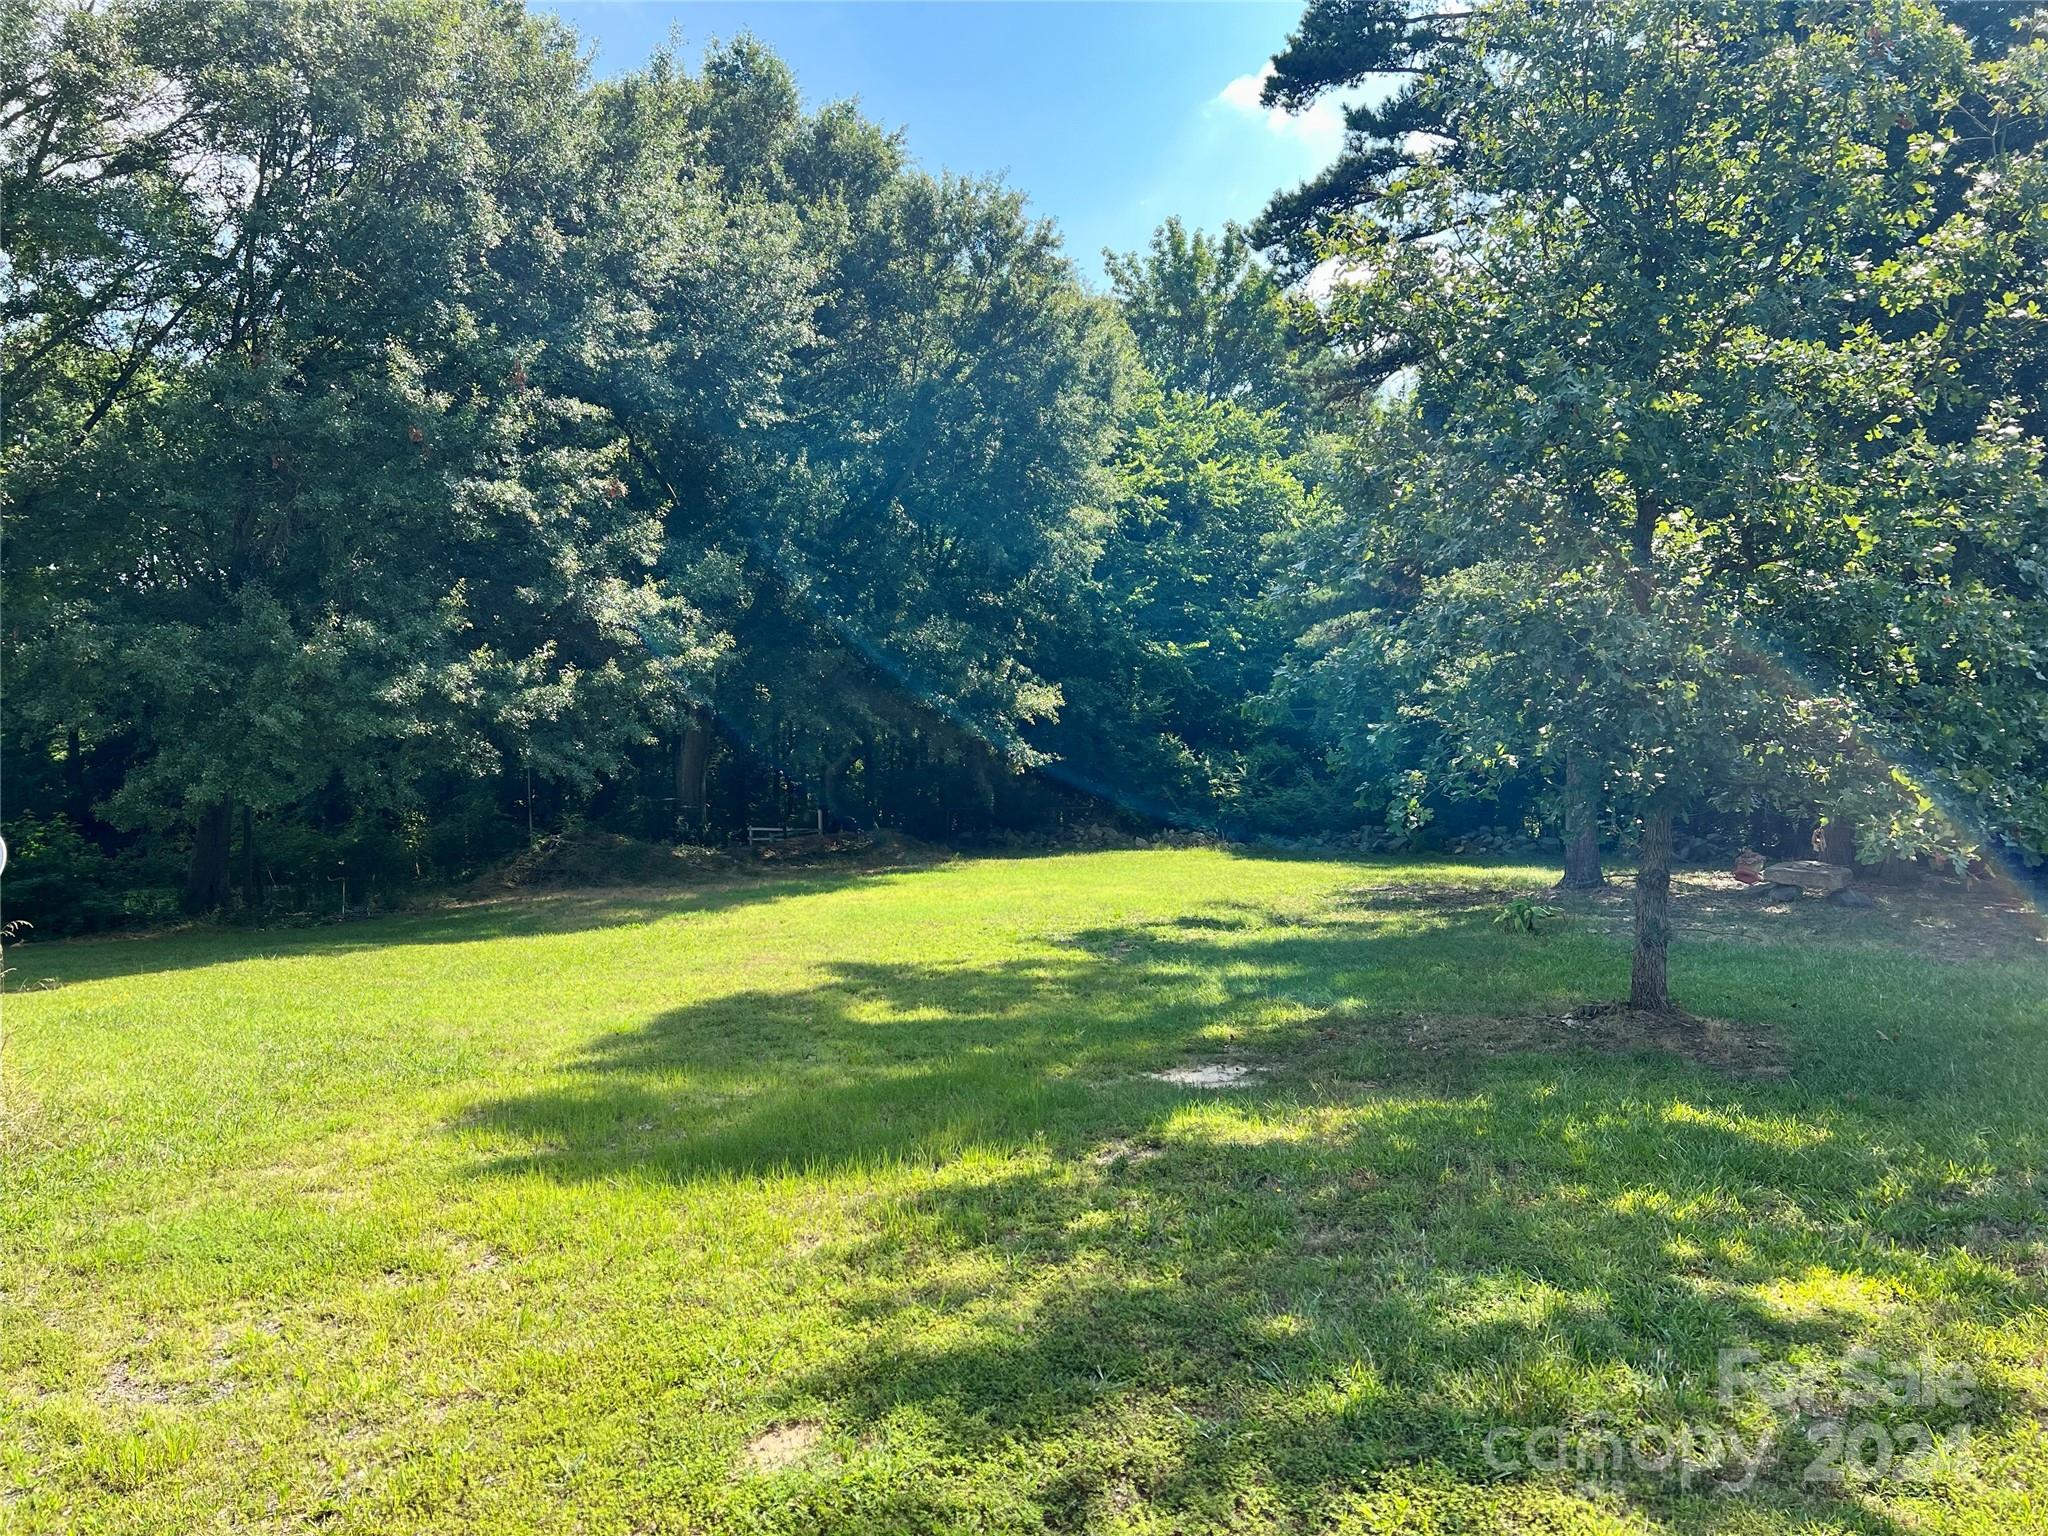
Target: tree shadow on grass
1271	1306
1208	1311
472	921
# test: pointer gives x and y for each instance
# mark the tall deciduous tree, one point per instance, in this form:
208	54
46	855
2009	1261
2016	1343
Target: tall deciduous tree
1629	300
884	549
314	347
1208	318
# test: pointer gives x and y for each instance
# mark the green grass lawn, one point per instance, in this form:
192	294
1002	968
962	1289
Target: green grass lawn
847	1202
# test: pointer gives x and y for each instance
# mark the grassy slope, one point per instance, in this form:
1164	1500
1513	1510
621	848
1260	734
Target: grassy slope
528	1218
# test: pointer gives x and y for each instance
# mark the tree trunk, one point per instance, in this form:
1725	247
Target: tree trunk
835	774
1581	828
1648	985
249	891
1836	841
693	756
206	884
74	779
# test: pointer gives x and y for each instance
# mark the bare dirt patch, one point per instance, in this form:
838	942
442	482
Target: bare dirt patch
125	1386
1946	919
1428	896
1943	919
1215	1074
1736	1049
1120	1152
783	1446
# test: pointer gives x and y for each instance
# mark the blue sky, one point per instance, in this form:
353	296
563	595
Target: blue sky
1109	114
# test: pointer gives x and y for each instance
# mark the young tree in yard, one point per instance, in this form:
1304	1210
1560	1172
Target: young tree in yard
1630	298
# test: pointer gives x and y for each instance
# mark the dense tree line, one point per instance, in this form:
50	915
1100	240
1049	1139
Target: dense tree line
412	444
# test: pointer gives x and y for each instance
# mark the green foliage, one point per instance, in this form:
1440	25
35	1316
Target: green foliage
1695	473
344	503
1340	46
1208	318
71	885
564	414
1808	473
413	445
1525	914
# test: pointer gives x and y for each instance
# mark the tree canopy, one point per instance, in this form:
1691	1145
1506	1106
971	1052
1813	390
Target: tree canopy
1678	309
413	444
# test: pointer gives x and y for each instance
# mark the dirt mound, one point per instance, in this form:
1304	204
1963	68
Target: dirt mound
581	857
880	849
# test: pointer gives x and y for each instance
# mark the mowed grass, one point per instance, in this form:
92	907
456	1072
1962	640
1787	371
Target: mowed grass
846	1203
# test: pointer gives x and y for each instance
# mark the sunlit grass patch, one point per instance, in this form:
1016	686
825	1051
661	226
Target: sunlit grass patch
864	1204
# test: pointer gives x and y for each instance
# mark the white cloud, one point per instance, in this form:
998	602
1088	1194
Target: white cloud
1243	92
1320	128
1327	276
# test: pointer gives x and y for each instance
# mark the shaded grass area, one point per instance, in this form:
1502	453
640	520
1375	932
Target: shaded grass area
851	1204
